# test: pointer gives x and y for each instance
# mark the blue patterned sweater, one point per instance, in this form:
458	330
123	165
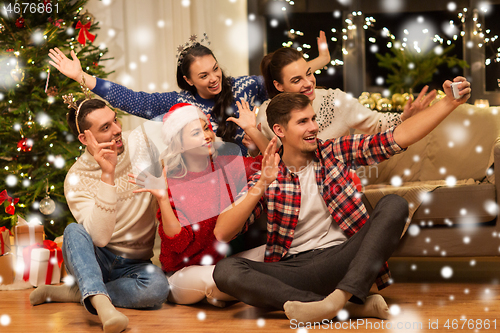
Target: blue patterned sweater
155	105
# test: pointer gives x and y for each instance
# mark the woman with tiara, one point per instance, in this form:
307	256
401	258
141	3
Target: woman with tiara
202	83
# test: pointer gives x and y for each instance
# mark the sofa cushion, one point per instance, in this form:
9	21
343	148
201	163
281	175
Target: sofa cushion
461	204
460	146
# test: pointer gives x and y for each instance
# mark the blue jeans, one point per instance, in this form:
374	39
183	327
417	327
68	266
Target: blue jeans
129	283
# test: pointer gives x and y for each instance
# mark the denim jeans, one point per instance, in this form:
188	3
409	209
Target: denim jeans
310	276
129	283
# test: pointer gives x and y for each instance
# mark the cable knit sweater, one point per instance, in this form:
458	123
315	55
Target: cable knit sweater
197	200
115	217
337	113
149	106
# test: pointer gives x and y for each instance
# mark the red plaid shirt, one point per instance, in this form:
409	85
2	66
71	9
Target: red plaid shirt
336	157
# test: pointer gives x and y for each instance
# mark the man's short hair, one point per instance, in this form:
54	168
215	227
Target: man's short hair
86	108
280	108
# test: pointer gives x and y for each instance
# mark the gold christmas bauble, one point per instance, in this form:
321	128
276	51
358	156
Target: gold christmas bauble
17	74
384	105
398	99
364	95
376	96
368	102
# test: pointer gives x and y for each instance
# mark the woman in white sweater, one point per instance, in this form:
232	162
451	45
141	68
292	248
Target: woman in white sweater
285	70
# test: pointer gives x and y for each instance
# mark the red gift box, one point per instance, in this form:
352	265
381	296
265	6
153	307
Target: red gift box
5	245
6	269
42	263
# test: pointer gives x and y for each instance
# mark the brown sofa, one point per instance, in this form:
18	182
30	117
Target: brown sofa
459	220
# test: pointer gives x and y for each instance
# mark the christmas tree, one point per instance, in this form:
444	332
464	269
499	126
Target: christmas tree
36	146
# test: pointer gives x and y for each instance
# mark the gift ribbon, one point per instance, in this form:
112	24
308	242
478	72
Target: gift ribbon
84	33
2	230
54	252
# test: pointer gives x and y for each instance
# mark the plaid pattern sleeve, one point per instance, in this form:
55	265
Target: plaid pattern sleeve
258	208
360	149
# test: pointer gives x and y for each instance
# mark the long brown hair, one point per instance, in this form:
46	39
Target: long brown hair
223	100
272	64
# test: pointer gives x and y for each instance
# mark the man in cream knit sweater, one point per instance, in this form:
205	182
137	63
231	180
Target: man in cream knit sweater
108	251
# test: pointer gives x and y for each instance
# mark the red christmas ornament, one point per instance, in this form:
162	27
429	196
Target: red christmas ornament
9	50
25	145
20	22
95	64
10	209
56	23
84	33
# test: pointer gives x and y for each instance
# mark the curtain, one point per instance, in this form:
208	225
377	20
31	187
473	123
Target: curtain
143	35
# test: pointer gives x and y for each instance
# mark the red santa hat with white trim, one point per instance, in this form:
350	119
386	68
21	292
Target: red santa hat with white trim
179	116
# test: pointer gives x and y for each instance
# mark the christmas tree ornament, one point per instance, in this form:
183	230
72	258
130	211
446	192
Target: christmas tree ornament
10	209
384	105
20	22
53	91
17	74
25	145
86	18
2	28
57	23
29	123
47	82
47	205
84	33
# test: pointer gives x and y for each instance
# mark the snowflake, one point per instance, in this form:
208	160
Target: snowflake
69	280
11	180
4	320
446	272
343	315
207	260
451	181
414	230
201	315
396	181
451	6
395	310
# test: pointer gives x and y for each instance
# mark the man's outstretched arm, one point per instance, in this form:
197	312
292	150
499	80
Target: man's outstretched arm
421	124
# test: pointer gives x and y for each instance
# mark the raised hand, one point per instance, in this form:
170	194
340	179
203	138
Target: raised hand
68	67
105	153
157	186
247	117
323	50
464	90
422	101
270	163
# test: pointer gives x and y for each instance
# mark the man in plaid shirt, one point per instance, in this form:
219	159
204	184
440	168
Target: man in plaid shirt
305	187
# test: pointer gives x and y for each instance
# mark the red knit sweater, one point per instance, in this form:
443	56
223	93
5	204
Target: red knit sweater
197	200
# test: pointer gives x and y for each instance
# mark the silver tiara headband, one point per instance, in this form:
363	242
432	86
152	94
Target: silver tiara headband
183	49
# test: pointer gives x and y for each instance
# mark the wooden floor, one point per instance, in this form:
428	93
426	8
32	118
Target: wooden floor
421	293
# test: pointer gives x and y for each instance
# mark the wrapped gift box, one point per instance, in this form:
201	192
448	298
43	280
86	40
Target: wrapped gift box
59	241
5	245
6	269
44	263
26	234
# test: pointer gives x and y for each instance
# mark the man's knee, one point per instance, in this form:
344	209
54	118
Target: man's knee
73	229
226	271
397	204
